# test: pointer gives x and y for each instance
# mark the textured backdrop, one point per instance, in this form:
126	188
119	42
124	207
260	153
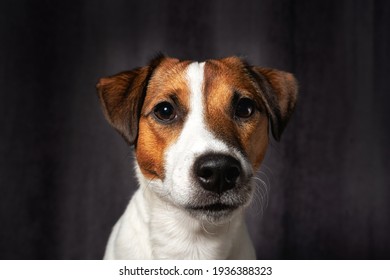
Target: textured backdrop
66	176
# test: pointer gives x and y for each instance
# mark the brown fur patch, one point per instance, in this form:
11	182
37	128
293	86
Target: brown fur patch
223	79
168	83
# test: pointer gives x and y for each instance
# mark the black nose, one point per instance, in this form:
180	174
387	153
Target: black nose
217	172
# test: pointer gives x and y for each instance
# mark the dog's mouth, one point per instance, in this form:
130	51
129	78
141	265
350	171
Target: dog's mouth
216	207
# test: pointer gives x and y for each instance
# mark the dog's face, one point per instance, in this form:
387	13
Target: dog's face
200	130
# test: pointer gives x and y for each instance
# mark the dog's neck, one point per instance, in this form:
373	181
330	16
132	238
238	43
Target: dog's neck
175	234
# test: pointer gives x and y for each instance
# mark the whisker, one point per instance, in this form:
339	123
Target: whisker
261	193
205	229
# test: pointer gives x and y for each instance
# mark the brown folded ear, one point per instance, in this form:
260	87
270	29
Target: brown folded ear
121	96
280	91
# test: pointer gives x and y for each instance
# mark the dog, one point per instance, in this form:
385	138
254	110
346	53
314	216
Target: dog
200	130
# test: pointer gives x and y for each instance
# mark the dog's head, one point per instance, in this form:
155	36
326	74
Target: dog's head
200	130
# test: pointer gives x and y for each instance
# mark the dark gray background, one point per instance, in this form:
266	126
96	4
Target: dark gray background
66	176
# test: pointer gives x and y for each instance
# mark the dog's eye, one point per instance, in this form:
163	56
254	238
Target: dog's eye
165	112
245	108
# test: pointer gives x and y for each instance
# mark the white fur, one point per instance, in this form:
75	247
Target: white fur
155	224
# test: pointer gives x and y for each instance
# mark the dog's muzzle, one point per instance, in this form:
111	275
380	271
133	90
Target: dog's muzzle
222	186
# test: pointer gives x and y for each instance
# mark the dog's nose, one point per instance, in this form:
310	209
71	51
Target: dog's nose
217	172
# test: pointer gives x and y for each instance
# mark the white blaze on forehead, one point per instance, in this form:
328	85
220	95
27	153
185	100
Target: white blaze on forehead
195	76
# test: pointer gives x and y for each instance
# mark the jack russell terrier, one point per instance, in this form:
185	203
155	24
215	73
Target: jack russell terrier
200	131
